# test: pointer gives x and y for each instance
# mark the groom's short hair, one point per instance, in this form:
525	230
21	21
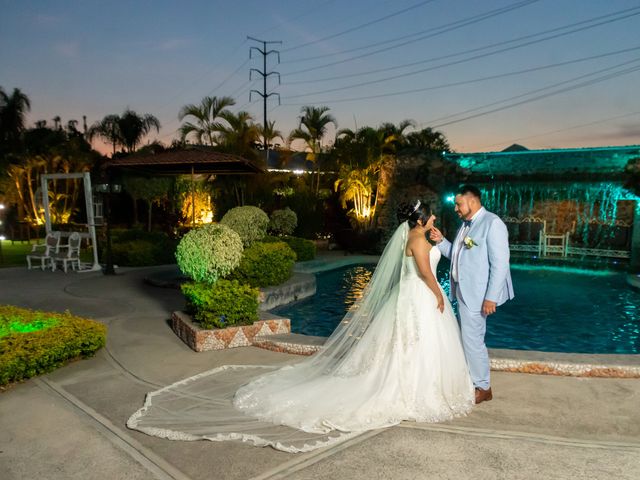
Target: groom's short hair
473	190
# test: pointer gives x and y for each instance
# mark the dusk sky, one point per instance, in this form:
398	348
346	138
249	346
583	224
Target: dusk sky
564	73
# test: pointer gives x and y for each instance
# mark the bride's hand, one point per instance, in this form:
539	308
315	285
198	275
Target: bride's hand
440	303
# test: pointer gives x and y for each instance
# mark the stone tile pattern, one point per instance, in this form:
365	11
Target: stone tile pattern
500	365
200	339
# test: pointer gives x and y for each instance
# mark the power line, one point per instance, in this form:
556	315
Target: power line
445	28
363	25
338	62
573	127
464	60
474	80
540	97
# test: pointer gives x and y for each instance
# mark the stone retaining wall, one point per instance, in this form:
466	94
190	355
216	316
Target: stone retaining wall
200	339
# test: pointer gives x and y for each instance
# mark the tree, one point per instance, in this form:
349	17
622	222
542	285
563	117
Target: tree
133	127
428	139
151	190
269	133
206	126
107	129
240	135
314	123
13	110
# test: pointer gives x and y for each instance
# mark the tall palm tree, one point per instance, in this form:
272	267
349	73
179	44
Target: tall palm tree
13	110
314	123
394	136
134	127
269	133
241	133
206	116
107	129
56	122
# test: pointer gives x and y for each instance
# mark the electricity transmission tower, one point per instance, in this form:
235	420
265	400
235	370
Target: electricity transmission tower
265	53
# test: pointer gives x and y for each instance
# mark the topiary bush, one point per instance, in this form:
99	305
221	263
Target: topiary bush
283	222
265	264
303	248
224	304
207	253
34	342
249	222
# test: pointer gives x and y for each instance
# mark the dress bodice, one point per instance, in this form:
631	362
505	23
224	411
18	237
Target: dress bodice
410	266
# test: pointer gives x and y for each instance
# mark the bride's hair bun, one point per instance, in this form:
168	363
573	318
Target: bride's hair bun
412	212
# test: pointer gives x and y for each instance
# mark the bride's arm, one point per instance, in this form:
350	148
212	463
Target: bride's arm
420	250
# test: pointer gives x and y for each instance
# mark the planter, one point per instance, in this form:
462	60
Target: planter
200	339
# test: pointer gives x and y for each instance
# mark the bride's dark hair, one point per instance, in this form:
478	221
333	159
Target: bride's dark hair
412	212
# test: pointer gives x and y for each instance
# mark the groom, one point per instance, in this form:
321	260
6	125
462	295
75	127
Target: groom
480	278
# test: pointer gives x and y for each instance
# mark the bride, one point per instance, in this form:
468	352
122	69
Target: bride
395	356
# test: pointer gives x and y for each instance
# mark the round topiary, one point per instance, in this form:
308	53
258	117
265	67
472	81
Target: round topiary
248	222
265	264
209	252
283	222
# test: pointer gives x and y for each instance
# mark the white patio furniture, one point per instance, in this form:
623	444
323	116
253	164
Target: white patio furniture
68	254
44	251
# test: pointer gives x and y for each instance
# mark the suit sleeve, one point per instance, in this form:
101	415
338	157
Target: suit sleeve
445	247
498	249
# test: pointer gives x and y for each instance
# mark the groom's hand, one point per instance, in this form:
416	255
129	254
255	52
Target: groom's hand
435	235
488	307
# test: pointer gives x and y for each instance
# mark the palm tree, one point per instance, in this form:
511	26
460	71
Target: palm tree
133	127
394	136
108	130
269	133
13	110
241	133
428	139
56	122
206	115
314	123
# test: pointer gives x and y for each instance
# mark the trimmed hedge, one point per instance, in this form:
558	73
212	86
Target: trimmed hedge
283	222
305	249
35	342
265	264
248	222
224	304
209	252
139	248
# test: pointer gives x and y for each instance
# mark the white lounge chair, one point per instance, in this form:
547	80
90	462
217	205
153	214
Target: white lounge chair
44	251
68	254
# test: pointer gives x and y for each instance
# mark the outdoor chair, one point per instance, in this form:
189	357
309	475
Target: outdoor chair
44	251
68	254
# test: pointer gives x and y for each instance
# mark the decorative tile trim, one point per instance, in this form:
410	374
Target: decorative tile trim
200	339
565	369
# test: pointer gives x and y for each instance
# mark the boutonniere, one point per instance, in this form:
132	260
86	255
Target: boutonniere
469	242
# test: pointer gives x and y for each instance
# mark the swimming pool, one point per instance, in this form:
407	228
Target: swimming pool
556	309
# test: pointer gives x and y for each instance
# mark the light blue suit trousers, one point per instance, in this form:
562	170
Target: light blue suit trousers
483	274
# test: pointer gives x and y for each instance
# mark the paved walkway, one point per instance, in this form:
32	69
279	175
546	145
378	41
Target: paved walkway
70	424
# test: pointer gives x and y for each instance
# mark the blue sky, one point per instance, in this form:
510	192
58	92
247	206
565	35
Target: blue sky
93	58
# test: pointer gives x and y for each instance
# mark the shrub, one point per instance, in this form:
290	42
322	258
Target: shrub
138	248
303	248
33	342
248	222
224	304
209	252
265	264
283	222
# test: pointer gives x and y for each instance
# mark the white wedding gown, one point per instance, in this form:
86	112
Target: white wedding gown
395	357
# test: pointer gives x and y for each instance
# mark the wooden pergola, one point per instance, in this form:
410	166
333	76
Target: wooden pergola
189	161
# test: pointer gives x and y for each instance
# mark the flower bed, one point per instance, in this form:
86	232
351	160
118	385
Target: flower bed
34	342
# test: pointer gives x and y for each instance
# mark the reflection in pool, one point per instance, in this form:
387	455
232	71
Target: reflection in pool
555	309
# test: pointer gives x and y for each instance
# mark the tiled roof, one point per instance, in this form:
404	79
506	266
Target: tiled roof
182	161
571	161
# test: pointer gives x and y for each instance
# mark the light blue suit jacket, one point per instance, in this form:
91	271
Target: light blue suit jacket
483	270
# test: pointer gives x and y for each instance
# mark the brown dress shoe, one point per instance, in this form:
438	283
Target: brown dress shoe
483	395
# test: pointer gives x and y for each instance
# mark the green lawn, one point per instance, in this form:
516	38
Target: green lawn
14	255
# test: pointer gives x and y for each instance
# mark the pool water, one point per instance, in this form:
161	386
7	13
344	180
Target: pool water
555	309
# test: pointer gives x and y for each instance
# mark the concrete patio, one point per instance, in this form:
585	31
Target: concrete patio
71	423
